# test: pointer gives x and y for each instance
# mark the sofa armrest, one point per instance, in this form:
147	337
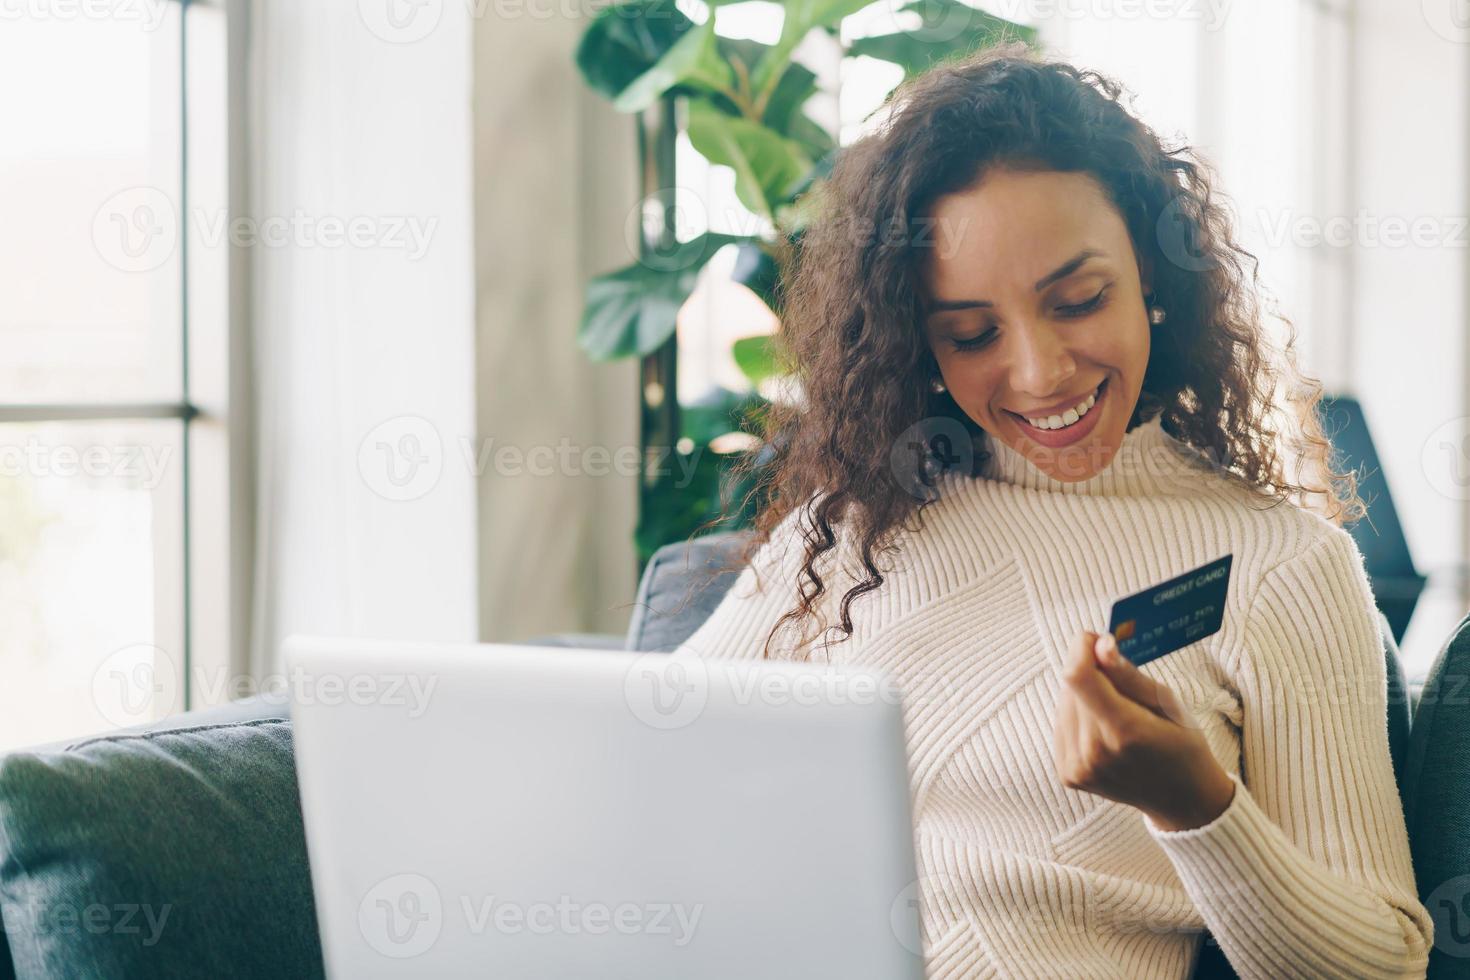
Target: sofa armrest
257	708
173	851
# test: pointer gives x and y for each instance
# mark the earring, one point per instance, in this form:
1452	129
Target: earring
1156	314
937	386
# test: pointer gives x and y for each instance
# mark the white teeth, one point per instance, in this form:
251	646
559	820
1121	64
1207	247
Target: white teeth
1069	417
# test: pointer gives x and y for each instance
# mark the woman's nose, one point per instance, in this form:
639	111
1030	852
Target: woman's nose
1041	362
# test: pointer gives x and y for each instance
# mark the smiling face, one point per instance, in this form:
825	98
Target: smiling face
1036	316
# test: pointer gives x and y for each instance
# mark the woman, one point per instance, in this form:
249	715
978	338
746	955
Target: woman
1016	279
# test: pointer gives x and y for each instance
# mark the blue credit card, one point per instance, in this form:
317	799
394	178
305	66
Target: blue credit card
1172	614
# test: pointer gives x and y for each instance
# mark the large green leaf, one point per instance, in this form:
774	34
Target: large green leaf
694	60
625	40
767	165
633	311
801	17
947	29
796	85
756	358
811	135
783	111
747	51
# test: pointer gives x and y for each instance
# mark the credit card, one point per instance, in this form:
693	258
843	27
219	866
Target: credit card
1172	614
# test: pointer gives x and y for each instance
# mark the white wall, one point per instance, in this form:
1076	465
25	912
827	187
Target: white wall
556	181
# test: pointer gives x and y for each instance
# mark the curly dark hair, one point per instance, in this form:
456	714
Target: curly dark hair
853	311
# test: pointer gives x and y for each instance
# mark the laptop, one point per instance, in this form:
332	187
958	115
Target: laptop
533	812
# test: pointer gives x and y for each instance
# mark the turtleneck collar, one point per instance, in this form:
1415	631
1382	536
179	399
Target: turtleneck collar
1148	460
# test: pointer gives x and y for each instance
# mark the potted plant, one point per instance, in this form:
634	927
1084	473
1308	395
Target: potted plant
741	102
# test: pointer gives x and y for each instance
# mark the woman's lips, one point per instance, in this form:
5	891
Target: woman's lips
1057	438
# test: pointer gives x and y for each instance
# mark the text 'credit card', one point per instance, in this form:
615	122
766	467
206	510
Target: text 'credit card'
1172	614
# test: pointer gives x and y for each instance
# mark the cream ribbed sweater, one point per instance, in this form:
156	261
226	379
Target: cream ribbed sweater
1306	873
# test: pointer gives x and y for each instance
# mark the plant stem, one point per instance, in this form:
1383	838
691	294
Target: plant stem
741	97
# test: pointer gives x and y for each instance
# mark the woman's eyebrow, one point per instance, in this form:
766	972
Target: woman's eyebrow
1060	272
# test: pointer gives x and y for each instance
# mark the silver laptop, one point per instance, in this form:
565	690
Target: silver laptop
528	812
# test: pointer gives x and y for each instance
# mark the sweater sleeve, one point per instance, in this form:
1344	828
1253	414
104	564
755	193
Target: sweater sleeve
1307	872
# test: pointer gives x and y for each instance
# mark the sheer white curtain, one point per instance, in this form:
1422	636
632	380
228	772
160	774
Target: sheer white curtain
362	312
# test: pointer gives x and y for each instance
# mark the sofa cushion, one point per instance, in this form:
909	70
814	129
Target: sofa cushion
175	853
1436	788
681	585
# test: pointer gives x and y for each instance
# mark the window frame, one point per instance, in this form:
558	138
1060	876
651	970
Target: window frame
202	595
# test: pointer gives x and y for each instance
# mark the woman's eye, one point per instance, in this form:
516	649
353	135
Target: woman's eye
1072	310
973	343
1082	309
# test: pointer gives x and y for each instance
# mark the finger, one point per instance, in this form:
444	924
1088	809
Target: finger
1127	679
1138	687
1082	735
1063	733
1066	713
1082	675
1074	739
1065	726
1090	734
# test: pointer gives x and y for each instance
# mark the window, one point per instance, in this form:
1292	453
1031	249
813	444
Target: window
100	423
